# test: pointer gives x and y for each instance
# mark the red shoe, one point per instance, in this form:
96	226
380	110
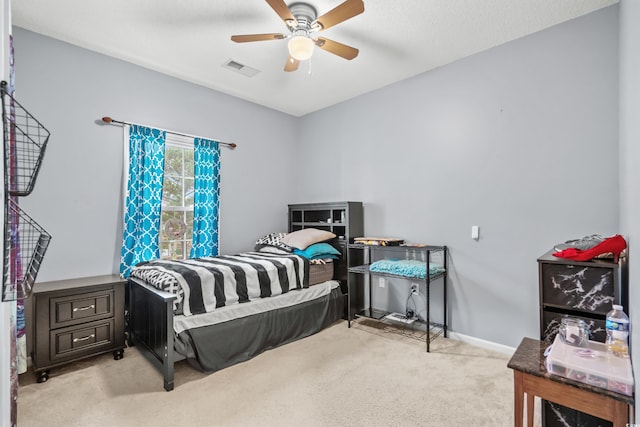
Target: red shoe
615	245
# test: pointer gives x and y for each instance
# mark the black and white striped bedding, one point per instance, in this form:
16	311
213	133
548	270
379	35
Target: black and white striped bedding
204	284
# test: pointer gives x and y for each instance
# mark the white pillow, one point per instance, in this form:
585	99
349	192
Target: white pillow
302	239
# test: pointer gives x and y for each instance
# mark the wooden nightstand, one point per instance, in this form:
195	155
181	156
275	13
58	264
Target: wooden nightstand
75	319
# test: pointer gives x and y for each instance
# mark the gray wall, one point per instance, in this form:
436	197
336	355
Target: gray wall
78	194
629	154
520	140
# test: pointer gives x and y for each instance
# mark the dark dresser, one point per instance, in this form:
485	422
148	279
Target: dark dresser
77	318
583	289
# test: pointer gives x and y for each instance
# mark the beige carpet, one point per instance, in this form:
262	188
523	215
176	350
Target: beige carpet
339	377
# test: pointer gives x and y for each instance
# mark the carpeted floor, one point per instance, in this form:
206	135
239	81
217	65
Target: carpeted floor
339	377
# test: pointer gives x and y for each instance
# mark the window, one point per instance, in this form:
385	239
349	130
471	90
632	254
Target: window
176	217
166	176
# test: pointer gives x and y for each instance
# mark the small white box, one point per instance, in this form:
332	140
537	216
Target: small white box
592	365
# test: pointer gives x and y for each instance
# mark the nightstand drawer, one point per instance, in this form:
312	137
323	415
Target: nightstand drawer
551	323
80	308
76	341
578	287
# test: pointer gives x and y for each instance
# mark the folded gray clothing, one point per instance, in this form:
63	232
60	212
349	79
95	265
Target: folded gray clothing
583	244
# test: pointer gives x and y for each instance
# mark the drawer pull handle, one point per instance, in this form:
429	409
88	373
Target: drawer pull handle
89	307
84	338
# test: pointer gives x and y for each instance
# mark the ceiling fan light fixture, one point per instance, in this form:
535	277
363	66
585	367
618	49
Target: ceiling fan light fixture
300	47
303	21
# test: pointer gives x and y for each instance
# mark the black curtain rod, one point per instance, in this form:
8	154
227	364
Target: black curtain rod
109	120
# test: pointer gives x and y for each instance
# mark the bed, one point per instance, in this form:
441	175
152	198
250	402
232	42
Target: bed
216	312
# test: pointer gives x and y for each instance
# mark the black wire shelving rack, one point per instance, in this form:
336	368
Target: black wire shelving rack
25	142
24	258
25	241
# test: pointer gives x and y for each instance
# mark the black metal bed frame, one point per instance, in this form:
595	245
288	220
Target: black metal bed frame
151	325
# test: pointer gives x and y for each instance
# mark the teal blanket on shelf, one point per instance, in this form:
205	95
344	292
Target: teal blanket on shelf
407	268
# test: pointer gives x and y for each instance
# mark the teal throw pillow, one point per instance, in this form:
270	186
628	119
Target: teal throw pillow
318	251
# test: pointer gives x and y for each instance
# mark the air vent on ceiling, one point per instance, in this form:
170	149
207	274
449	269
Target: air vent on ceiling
245	70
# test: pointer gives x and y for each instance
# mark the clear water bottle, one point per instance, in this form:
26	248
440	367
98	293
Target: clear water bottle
618	332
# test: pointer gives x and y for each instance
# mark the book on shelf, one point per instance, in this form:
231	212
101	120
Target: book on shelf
378	241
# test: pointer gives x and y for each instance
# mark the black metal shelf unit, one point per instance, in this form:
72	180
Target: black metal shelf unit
433	329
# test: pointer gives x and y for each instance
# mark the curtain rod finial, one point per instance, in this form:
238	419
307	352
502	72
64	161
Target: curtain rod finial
107	119
233	145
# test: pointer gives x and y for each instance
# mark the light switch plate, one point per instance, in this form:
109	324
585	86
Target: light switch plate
475	232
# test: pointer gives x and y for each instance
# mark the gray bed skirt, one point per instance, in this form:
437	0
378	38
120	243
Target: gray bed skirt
217	346
211	348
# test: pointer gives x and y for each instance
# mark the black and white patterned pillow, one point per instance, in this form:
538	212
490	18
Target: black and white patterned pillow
273	250
162	280
273	239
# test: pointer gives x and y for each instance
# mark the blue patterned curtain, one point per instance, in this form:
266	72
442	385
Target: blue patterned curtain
144	197
206	204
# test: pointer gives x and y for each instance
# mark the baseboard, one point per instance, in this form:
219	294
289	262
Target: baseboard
488	345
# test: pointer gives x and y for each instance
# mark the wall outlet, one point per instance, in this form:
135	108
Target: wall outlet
415	289
382	282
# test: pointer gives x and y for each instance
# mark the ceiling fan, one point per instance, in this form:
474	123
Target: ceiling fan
303	22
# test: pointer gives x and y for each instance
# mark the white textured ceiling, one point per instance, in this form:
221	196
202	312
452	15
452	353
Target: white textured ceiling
190	40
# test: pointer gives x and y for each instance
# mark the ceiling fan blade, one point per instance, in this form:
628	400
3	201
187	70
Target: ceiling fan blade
342	50
292	64
283	11
257	37
340	13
